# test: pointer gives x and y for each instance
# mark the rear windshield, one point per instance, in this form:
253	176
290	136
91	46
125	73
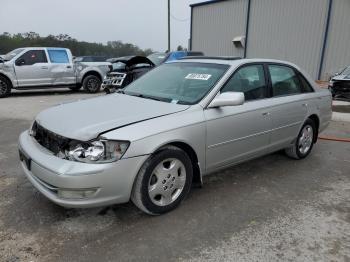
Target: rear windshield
181	82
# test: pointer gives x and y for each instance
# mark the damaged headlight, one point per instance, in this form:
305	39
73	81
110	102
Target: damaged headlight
99	151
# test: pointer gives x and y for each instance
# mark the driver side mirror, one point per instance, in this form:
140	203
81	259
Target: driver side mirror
20	62
227	99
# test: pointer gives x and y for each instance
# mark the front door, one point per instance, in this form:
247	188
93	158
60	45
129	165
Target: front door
32	69
236	133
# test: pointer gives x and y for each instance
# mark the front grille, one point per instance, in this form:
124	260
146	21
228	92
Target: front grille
51	141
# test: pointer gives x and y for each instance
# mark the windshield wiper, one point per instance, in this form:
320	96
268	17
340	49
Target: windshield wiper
162	99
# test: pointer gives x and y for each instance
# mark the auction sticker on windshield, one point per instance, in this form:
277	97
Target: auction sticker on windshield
198	76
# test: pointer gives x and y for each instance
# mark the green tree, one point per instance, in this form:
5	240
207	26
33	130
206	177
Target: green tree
9	42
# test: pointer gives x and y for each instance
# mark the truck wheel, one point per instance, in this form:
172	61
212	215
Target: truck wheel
91	84
5	87
75	88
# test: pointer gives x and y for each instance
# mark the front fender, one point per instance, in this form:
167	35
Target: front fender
83	69
7	70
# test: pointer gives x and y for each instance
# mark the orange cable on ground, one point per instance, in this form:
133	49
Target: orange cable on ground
333	138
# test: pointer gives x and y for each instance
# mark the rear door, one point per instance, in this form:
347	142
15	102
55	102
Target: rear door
289	104
32	69
236	133
62	68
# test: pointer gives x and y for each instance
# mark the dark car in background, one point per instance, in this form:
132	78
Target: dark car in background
90	59
125	70
160	58
339	85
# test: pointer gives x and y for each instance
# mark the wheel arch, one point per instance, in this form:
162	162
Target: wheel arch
197	175
316	120
92	72
8	79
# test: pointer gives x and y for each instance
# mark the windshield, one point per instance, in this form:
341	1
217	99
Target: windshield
346	71
183	83
12	54
157	58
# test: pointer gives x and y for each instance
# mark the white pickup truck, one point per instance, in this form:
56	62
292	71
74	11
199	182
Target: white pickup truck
44	67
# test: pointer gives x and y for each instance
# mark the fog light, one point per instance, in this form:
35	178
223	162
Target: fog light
76	194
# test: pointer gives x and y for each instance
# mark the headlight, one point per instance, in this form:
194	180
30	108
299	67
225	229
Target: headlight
331	83
99	151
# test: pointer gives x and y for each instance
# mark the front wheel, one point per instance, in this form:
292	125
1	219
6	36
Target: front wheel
91	84
5	87
163	181
304	142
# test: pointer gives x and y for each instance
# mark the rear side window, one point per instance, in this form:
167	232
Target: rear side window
305	85
284	80
32	57
58	56
250	80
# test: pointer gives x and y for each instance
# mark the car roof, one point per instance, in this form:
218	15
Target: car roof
41	47
232	62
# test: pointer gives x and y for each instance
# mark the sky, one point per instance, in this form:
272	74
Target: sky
140	22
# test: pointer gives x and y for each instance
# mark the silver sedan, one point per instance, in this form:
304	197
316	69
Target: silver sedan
160	135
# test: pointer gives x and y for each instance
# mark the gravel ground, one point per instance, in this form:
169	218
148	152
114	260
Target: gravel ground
269	209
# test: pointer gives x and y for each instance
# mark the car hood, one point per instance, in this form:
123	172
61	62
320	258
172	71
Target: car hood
86	119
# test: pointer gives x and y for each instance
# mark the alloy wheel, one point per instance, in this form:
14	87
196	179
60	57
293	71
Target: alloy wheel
306	139
167	182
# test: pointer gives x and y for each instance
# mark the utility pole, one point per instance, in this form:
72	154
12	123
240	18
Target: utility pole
169	25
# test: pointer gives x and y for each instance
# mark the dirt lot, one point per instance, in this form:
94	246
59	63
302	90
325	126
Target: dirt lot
270	209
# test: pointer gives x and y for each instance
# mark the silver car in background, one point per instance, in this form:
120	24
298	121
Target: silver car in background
165	131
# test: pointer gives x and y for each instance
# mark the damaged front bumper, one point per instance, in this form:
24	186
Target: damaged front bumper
75	184
114	80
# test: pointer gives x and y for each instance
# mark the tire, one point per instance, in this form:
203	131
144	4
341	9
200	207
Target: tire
5	87
92	84
157	192
304	141
75	88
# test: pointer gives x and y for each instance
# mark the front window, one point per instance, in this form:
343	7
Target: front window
250	80
12	54
183	83
32	57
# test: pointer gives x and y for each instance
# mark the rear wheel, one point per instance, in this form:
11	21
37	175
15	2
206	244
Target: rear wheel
163	181
92	84
304	142
5	87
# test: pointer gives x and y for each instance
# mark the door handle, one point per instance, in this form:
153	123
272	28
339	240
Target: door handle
266	113
305	104
44	67
69	66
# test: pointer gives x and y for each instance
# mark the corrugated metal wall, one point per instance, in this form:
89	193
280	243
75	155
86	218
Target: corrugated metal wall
338	46
215	25
284	29
288	30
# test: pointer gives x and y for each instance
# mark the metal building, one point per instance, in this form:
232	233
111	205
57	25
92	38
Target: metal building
314	34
